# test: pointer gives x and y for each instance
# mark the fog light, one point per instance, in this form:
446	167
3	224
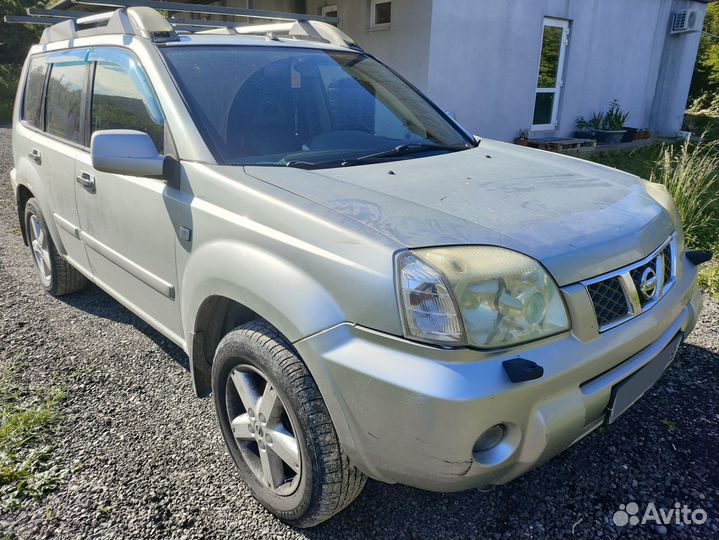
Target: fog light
490	438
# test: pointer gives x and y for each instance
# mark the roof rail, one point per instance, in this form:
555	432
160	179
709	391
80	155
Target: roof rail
141	21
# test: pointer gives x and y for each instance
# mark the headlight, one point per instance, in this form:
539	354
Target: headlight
481	296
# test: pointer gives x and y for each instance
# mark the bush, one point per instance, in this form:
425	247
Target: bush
691	174
9	75
709	278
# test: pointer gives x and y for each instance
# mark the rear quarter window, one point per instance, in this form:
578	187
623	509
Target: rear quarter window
32	97
63	104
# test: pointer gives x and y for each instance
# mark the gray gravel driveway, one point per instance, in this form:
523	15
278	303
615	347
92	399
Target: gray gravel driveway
150	461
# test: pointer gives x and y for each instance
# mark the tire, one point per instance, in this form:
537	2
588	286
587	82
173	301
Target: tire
325	482
57	275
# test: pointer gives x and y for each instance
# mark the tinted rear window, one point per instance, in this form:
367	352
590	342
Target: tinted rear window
32	100
64	100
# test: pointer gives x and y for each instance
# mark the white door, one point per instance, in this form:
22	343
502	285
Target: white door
555	38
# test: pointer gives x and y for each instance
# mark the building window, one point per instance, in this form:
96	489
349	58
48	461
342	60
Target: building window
555	38
330	11
380	13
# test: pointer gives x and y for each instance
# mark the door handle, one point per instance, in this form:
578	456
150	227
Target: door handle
35	155
87	181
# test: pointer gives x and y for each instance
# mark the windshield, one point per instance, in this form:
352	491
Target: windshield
285	106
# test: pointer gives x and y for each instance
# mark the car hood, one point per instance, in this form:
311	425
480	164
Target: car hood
577	218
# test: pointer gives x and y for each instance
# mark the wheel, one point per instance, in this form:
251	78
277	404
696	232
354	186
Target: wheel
56	274
278	430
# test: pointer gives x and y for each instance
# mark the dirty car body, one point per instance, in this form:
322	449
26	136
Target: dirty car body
466	308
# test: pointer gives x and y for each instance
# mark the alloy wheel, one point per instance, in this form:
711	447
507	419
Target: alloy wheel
40	250
263	430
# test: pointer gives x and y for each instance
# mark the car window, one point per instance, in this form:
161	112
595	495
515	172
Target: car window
32	100
64	100
123	98
277	105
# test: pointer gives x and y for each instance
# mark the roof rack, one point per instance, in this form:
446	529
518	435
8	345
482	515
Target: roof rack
139	17
209	10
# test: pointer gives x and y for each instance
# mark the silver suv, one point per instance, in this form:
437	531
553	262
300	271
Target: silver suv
365	288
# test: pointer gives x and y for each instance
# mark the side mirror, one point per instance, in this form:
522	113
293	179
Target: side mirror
125	151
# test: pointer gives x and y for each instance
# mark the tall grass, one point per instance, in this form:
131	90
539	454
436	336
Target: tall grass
690	173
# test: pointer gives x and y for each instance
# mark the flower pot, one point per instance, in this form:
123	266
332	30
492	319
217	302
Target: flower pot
605	136
584	134
521	141
630	134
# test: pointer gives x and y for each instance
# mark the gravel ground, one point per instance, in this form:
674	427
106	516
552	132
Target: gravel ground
151	462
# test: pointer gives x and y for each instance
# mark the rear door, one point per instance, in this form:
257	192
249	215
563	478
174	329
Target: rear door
125	222
58	140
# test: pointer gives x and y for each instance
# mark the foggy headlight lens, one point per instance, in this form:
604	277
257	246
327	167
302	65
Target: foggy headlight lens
503	297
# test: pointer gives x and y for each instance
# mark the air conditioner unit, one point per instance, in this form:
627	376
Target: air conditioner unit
686	20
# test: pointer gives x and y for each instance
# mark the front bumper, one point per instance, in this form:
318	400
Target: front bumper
411	413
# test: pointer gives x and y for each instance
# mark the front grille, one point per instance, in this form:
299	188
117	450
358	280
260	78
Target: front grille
668	270
610	302
618	296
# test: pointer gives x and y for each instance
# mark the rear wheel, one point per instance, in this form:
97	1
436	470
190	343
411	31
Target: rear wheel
56	274
278	430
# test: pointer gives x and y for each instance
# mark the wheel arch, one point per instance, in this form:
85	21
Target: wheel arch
227	283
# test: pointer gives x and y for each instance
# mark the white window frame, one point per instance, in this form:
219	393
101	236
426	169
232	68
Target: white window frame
372	24
557	90
330	8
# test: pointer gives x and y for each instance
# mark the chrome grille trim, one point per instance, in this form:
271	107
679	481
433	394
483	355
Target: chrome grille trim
661	260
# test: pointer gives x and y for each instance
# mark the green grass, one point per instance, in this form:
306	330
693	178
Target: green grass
28	419
640	161
709	278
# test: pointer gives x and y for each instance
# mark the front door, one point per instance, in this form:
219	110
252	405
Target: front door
124	220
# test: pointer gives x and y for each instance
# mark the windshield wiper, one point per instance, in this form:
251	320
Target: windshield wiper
405	149
400	150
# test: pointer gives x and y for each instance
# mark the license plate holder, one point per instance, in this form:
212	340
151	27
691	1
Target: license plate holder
628	391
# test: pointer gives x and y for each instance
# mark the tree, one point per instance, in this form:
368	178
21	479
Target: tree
705	82
16	39
15	42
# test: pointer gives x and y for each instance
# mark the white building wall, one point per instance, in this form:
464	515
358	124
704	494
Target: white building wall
490	50
404	46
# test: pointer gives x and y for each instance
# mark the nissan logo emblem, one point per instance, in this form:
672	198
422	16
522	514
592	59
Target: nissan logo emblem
648	283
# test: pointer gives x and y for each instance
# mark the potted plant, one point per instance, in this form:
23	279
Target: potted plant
586	128
612	125
523	139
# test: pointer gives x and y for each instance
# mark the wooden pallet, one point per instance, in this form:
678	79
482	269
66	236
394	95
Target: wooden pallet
557	144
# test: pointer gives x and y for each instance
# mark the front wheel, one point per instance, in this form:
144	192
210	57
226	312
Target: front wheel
278	430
